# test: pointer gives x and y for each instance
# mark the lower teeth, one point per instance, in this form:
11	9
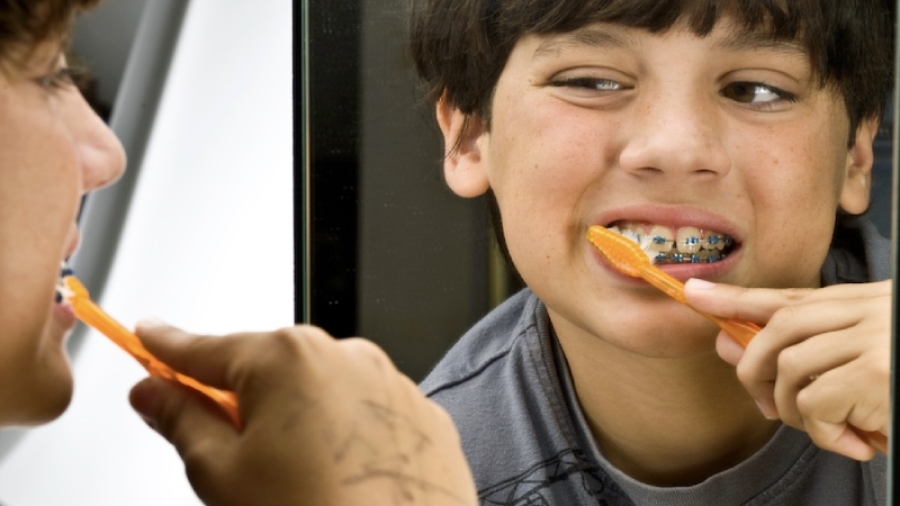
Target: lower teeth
689	258
718	248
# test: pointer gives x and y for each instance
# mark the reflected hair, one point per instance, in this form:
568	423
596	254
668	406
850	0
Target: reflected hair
460	47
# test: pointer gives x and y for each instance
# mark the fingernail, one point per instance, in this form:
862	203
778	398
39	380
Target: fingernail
766	412
150	323
700	284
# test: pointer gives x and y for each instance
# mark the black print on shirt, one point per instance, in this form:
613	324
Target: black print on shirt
535	486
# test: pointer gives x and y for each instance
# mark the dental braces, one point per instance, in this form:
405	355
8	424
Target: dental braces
662	250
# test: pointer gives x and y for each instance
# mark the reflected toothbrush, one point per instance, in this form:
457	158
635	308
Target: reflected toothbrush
73	291
629	259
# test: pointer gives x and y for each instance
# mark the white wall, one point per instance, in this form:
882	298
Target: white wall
208	246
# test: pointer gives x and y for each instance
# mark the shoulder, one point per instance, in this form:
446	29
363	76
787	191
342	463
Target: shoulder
858	254
486	346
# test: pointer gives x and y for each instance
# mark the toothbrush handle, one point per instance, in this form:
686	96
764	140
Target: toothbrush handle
742	331
91	314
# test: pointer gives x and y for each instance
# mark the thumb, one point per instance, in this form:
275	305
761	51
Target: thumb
176	411
190	354
752	304
187	359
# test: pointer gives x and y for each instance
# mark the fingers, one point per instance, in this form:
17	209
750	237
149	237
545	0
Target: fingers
730	350
200	357
753	304
318	414
843	418
822	361
177	413
191	423
784	351
809	341
759	304
253	365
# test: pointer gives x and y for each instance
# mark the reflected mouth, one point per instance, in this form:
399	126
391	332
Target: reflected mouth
681	245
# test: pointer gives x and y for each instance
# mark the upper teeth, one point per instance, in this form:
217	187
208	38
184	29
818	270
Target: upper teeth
686	245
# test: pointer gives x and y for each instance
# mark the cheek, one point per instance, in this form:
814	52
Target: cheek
794	202
794	169
543	155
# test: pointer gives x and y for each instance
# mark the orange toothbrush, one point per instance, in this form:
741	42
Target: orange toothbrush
629	259
91	314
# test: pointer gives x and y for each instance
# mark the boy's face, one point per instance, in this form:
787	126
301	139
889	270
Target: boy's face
611	125
53	150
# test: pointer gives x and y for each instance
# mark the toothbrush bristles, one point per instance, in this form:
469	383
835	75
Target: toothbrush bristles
63	292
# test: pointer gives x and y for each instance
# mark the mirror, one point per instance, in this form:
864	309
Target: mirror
394	256
390	253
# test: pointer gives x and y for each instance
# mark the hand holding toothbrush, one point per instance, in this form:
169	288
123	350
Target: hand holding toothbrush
325	421
822	362
849	418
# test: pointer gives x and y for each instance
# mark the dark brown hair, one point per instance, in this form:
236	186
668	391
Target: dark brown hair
27	23
460	47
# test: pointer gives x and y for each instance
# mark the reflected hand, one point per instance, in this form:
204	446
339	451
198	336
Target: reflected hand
325	422
822	362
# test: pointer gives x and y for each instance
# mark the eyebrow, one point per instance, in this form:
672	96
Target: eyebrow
746	41
585	37
596	38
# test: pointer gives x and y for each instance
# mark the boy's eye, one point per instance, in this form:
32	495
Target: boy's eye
755	93
61	78
588	83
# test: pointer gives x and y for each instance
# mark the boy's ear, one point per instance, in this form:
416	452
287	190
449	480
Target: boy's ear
858	181
464	165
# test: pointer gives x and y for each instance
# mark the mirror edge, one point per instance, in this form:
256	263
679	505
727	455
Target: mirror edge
302	288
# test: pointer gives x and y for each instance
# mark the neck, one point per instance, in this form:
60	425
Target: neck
665	421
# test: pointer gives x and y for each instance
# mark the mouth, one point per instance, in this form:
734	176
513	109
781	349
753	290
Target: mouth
62	291
677	245
62	308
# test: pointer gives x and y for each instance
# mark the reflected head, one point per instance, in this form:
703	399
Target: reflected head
460	47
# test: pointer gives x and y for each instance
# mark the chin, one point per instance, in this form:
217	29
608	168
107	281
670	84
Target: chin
41	396
672	332
54	386
55	397
45	406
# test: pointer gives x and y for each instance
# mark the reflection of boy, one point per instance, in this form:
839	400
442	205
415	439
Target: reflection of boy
752	121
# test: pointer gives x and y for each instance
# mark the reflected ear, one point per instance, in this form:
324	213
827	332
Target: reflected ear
464	165
858	179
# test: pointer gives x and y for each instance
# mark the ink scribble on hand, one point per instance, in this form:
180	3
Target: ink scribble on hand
398	463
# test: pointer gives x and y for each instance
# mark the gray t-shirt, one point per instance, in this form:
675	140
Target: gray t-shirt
508	388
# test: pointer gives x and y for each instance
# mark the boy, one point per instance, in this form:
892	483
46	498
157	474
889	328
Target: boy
736	131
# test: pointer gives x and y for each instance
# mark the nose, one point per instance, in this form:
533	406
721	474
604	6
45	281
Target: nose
676	136
99	151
